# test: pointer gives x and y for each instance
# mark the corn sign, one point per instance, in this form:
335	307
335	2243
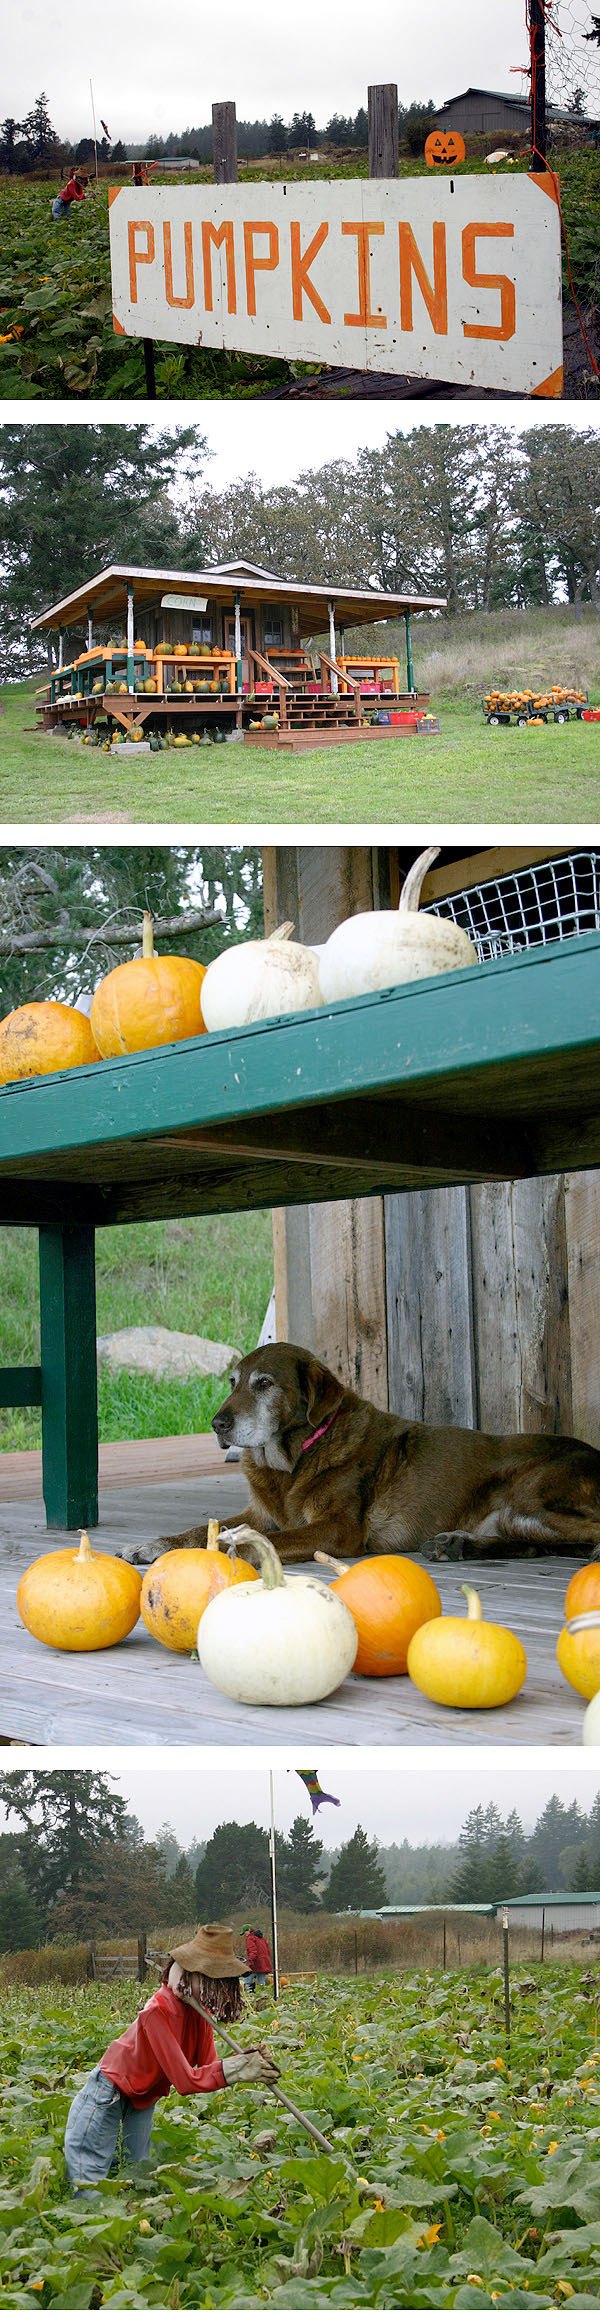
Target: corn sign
457	279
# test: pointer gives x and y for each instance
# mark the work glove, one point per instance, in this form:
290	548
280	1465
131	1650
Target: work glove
251	2066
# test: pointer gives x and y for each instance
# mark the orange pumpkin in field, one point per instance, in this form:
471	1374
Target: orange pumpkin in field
389	1599
42	1037
149	1001
445	149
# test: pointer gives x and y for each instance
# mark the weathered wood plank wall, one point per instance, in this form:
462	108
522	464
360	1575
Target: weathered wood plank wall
475	1306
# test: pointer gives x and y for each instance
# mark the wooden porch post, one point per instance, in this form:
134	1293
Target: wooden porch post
334	681
69	1380
410	672
60	646
90	631
238	642
130	638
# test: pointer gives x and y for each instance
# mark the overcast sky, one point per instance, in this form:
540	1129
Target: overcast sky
253	438
152	73
415	1795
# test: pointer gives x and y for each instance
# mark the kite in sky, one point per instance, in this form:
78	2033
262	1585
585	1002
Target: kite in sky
310	1780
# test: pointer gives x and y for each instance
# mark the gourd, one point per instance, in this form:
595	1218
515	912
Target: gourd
389	1598
583	1591
380	948
42	1037
578	1652
462	1661
590	1734
255	980
283	1641
79	1600
149	1001
177	1589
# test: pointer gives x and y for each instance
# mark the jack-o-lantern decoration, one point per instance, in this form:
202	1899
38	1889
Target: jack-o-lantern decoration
445	149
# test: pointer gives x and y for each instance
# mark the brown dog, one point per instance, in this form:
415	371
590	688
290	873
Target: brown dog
327	1472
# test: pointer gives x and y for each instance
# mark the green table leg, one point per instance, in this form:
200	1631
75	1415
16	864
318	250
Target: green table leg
69	1380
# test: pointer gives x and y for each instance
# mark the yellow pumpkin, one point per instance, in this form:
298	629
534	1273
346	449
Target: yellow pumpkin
42	1037
79	1600
177	1589
149	1001
389	1598
578	1653
461	1661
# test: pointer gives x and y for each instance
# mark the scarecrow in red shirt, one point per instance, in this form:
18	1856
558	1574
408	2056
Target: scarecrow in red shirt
169	2047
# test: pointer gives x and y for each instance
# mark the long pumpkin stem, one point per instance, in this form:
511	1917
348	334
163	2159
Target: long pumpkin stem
282	932
85	1549
474	1608
327	1561
147	935
411	889
268	1559
212	1536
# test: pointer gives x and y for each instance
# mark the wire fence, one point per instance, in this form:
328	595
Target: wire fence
573	57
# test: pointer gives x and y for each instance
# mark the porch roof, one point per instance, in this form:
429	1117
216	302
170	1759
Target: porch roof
103	595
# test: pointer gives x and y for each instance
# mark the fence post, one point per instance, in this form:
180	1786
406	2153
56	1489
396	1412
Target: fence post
543	1933
444	1943
356	1953
225	158
383	130
91	1961
142	1956
537	40
506	1971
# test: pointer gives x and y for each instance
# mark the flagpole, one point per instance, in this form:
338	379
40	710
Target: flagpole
273	1893
95	136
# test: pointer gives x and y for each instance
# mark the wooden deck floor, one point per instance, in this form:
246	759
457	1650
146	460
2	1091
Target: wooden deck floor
140	1695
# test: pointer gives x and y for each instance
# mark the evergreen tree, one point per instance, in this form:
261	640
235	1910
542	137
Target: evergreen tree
181	1893
234	1871
278	136
468	1880
357	1878
66	1815
298	1867
51	890
19	1917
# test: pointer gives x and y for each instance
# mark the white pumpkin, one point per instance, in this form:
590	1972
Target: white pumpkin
380	948
256	980
591	1722
287	1640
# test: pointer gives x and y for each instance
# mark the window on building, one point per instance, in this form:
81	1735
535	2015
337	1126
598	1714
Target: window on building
273	630
201	631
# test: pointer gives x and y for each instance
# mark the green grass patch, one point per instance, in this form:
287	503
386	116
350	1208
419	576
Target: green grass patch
207	1276
469	773
57	338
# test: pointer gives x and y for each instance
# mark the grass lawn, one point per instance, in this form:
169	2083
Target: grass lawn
470	773
209	1276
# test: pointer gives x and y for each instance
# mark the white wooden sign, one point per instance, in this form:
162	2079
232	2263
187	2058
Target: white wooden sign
456	278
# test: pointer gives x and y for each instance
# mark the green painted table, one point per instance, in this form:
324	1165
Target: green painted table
484	1075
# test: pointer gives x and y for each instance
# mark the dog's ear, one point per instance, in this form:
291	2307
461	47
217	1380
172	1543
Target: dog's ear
323	1392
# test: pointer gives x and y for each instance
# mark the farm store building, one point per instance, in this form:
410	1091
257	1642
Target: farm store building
232	652
562	1912
481	112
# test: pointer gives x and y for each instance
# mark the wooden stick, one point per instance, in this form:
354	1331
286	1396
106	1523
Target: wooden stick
218	2029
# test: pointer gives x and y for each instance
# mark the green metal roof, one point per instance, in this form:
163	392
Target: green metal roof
553	1898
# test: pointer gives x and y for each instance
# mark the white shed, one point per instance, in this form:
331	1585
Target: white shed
559	1910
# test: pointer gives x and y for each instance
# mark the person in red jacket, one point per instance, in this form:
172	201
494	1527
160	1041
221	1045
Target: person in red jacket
74	190
169	2047
259	1957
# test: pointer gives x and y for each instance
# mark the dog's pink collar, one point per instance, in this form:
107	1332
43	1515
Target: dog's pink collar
315	1435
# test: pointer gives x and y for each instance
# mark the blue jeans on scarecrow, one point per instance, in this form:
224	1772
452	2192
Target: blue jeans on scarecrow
98	2114
60	208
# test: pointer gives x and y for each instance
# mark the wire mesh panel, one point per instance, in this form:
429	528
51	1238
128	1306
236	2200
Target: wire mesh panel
550	901
573	57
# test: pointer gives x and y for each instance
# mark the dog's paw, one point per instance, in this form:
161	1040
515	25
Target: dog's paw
141	1555
447	1546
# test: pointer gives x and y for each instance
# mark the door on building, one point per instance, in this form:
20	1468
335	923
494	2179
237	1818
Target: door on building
247	628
